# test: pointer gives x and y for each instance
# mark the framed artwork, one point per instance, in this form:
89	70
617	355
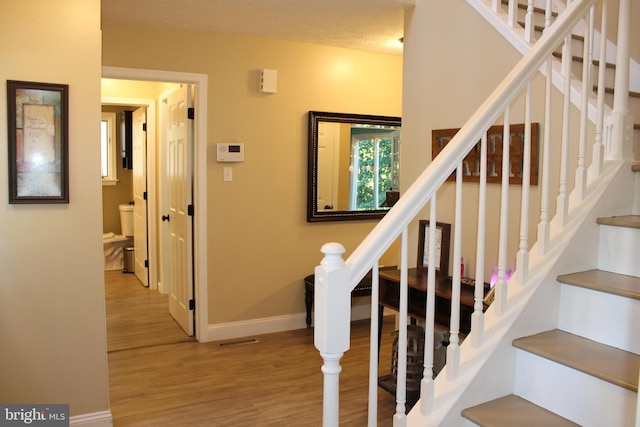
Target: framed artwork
443	241
38	116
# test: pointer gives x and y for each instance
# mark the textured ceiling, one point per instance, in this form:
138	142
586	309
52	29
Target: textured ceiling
372	25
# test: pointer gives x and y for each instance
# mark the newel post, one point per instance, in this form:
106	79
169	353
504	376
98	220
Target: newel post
332	314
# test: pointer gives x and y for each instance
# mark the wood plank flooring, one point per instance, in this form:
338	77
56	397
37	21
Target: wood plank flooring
159	376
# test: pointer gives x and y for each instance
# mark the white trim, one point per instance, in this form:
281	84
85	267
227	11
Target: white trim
269	325
200	176
95	419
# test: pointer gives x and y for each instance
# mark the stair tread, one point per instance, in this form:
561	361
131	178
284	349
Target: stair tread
578	58
604	281
512	410
630	221
607	363
636	168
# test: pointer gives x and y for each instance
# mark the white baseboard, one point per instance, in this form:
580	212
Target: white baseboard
268	325
95	419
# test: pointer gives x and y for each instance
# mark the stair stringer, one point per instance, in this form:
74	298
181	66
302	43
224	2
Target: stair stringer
488	371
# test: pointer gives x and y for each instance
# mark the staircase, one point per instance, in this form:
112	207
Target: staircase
557	344
565	375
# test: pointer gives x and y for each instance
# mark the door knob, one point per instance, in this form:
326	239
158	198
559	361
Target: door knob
166	218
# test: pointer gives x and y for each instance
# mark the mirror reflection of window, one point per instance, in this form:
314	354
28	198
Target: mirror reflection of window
375	167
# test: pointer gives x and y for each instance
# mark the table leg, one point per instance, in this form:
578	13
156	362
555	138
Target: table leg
308	300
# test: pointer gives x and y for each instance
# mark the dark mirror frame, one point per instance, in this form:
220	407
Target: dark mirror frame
313	215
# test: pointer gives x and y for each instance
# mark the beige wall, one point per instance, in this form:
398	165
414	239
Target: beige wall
260	246
52	312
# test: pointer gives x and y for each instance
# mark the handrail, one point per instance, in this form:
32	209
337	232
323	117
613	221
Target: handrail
425	186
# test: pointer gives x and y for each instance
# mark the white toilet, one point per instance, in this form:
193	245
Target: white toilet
114	244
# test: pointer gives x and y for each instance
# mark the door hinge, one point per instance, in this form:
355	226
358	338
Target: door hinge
190	210
144	195
191	113
144	127
192	304
146	263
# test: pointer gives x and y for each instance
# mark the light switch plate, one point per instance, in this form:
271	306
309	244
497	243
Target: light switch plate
227	173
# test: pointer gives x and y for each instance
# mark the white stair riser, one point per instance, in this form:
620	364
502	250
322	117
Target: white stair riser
601	317
618	250
579	397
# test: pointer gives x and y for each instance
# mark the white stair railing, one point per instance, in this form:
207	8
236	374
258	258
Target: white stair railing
336	278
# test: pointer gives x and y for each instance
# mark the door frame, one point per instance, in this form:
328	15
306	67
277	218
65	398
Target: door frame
199	81
150	106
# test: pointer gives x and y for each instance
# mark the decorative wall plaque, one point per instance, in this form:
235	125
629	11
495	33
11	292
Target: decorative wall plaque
471	163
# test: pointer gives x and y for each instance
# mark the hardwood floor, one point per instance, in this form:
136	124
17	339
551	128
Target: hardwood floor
160	377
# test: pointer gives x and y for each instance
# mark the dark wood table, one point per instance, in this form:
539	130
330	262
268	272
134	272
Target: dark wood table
417	281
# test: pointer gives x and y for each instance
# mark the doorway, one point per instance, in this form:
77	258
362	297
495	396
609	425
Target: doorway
199	82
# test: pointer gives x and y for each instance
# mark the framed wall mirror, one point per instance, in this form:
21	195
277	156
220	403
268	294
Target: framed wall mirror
354	166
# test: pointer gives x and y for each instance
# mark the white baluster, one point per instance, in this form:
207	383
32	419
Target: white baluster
562	205
374	348
400	418
548	13
332	314
512	13
580	188
522	257
427	384
529	25
495	5
501	284
622	144
597	160
477	318
543	226
453	349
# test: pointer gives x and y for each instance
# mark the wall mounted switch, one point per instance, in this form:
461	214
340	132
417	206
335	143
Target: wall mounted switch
227	173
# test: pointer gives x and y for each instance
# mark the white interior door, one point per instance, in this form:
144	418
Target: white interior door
178	219
139	150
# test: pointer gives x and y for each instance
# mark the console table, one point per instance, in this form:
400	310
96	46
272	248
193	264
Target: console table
417	281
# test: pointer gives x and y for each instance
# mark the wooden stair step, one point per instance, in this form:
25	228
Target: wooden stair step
601	361
610	91
635	168
604	281
629	221
578	58
511	411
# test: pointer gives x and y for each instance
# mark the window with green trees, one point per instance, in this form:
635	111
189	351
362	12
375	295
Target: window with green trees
374	166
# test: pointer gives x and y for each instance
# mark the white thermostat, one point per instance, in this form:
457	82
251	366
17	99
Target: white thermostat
228	152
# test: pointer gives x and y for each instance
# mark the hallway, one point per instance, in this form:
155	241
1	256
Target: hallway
160	376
